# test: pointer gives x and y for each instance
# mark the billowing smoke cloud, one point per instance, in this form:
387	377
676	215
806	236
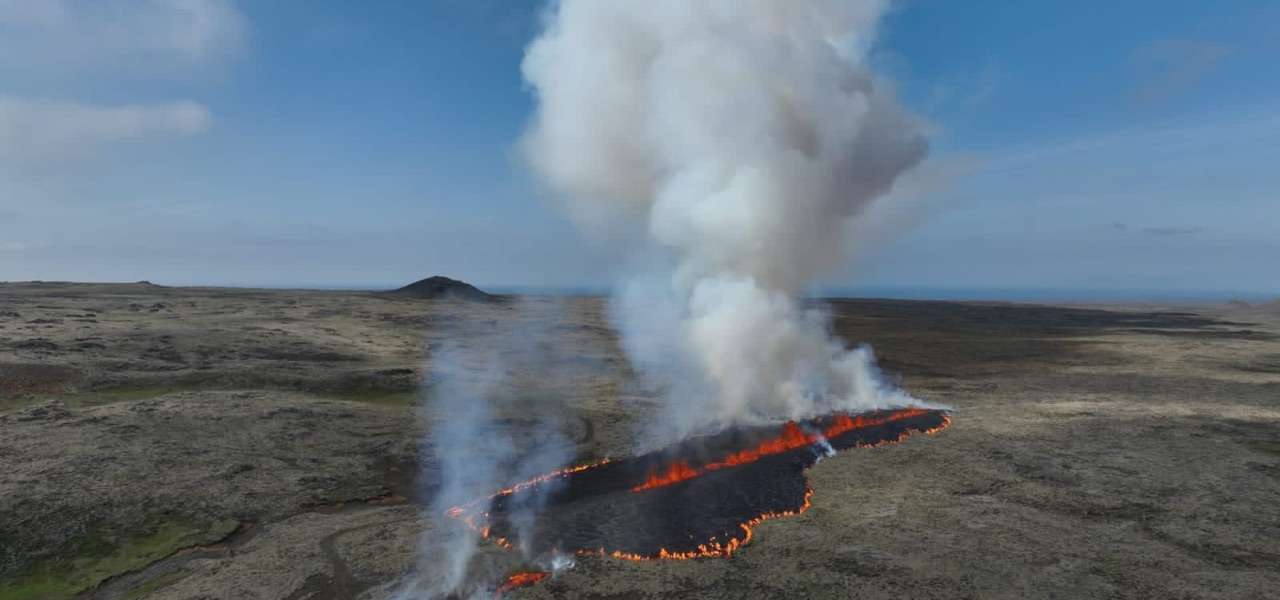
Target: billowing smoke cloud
494	420
742	136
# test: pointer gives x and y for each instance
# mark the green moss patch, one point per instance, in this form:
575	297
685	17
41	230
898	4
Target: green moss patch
90	398
381	397
101	557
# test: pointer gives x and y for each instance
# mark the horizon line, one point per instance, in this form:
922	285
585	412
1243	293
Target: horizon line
887	292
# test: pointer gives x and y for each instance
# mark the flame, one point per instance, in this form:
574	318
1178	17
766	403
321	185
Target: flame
522	579
792	438
844	423
565	472
677	472
460	512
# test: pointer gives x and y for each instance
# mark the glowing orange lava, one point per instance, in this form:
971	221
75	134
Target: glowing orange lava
522	579
677	472
461	511
792	438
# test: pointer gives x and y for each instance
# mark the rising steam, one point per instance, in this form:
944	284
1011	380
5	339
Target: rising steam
493	420
741	137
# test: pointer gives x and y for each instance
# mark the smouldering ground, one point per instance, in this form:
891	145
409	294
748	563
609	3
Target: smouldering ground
194	443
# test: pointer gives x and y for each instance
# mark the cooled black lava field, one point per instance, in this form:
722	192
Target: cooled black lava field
698	498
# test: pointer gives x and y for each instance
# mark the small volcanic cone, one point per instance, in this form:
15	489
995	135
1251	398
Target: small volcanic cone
442	287
699	498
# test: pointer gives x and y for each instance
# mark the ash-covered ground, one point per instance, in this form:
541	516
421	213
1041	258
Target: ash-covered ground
201	443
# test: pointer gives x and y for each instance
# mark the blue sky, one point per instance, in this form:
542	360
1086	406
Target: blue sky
1111	147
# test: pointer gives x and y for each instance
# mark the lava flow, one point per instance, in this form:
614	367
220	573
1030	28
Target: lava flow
699	498
522	579
792	438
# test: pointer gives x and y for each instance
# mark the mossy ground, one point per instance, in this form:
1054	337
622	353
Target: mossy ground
90	398
129	394
102	556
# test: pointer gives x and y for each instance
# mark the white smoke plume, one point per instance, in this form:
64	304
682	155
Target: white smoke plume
494	420
742	137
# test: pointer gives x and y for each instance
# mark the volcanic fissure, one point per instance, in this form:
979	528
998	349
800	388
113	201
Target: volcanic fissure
699	498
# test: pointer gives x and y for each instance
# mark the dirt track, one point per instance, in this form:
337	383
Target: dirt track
189	443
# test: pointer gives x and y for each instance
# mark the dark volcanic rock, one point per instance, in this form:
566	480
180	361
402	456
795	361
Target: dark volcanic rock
710	511
52	410
19	379
442	287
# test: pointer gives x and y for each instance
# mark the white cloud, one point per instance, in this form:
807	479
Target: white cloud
43	130
49	49
126	34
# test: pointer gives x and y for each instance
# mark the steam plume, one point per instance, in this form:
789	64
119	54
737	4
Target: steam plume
494	421
741	137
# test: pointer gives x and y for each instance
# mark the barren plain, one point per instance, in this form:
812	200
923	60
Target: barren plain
176	443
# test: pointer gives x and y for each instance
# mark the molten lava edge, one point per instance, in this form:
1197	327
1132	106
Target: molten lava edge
699	498
522	579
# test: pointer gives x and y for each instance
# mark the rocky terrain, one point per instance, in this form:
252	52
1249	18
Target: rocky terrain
218	443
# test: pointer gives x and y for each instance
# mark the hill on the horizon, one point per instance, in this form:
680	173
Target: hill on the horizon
439	286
